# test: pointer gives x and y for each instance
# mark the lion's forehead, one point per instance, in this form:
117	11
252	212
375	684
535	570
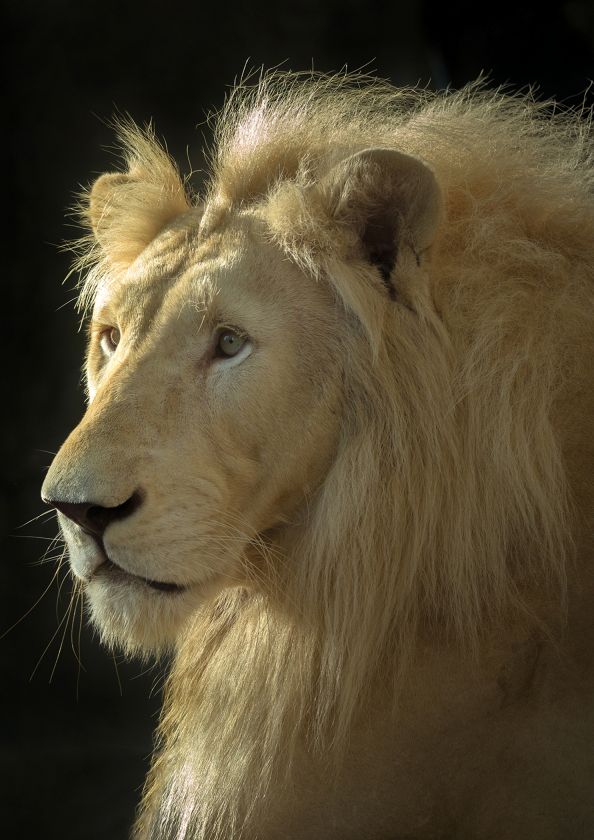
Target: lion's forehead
179	255
183	282
178	259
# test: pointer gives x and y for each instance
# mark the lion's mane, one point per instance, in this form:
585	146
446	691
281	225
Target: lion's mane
448	504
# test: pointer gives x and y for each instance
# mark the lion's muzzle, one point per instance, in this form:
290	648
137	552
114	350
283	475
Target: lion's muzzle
93	520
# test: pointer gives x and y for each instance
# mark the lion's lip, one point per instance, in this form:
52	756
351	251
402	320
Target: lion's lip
162	586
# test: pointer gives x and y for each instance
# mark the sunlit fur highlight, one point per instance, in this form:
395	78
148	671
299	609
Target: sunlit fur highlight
124	218
447	509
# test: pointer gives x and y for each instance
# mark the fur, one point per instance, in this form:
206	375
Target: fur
449	510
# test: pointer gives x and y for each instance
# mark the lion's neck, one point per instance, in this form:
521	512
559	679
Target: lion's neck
393	766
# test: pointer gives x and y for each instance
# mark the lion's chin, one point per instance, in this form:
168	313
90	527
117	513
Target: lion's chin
142	619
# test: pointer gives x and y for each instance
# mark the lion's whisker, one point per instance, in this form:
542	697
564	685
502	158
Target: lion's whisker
31	608
45	650
49	512
69	613
117	673
80	623
78	593
66	577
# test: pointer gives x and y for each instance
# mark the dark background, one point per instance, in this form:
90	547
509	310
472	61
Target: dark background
76	739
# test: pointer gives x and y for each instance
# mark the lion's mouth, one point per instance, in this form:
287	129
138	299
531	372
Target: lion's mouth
111	568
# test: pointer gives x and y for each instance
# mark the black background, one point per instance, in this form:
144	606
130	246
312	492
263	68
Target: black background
75	748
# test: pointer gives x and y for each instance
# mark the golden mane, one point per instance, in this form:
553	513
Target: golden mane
448	505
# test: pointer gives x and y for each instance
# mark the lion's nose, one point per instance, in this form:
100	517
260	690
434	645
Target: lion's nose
92	518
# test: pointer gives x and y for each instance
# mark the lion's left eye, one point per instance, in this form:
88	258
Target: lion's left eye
231	347
110	338
229	343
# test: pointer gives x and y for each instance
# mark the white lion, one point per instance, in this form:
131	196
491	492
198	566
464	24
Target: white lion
339	457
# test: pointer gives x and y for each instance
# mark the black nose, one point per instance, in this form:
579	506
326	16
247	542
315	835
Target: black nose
94	519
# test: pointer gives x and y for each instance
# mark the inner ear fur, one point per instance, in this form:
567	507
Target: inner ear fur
389	199
126	211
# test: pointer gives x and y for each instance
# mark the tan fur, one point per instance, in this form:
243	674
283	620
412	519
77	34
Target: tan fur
396	501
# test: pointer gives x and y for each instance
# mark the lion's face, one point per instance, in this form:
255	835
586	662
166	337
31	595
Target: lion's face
214	379
216	370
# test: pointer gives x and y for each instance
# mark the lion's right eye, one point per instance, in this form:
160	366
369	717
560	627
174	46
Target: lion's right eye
109	340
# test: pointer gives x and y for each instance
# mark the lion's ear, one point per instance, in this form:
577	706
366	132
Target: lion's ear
388	198
127	211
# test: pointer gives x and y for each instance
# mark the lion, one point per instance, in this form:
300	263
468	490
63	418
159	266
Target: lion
338	459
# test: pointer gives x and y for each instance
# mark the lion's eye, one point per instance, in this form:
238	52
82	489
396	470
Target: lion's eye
229	343
110	338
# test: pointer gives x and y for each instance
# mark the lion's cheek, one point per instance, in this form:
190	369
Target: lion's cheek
279	452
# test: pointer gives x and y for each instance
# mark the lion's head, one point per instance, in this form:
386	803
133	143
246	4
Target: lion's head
320	419
218	374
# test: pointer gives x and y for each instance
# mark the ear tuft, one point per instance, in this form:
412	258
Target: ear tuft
126	211
101	206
